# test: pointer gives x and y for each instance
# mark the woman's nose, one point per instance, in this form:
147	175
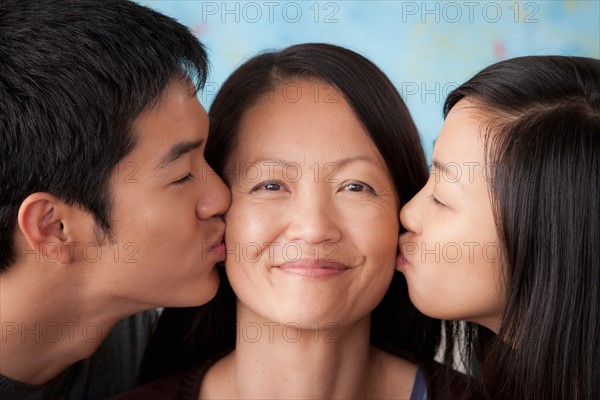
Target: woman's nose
314	220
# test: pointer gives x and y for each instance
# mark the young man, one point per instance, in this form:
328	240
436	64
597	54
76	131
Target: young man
107	206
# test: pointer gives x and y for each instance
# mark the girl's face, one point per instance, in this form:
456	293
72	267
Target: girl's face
450	254
312	230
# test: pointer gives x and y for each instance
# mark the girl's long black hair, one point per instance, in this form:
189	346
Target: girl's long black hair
543	143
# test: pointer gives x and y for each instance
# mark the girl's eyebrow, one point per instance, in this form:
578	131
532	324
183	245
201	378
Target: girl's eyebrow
448	171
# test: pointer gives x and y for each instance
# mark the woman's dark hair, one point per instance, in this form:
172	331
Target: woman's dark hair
74	75
186	337
543	141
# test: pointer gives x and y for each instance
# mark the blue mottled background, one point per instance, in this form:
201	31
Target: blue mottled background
425	47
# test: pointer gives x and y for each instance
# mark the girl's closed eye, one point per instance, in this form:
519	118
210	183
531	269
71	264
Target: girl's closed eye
436	201
189	177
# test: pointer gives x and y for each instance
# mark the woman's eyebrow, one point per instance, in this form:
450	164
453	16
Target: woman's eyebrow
349	160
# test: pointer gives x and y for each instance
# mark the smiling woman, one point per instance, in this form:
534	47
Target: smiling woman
309	227
319	152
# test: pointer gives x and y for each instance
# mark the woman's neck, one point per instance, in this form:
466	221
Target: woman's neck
273	360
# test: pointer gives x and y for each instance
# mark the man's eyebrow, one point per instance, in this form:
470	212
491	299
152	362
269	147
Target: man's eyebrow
176	152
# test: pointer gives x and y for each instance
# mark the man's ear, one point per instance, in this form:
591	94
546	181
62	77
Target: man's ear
42	219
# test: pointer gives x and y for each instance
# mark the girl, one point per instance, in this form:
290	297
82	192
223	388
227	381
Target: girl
506	233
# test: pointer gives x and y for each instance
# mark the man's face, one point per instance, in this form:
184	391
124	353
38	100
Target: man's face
167	206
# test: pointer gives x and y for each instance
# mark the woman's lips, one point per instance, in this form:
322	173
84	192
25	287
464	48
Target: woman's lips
314	269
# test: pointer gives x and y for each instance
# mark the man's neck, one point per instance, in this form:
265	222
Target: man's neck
48	322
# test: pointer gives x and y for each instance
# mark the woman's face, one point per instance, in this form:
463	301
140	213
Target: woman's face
312	229
450	254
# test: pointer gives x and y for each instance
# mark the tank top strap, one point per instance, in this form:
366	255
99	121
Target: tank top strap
419	391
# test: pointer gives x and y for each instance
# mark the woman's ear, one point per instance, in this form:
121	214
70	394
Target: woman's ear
43	220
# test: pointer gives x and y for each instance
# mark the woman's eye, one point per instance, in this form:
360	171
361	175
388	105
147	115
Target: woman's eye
358	187
355	187
270	187
184	180
436	201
